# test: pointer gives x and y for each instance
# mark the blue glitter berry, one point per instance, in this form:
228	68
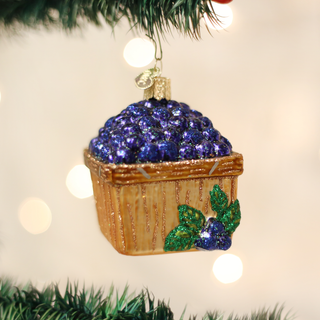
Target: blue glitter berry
139	112
221	149
152	103
213	237
104	134
205	122
195	113
108	124
211	134
131	128
195	123
192	136
149	153
172	135
168	151
179	112
179	123
148	122
154	135
124	155
205	150
172	103
135	141
227	142
187	152
185	106
161	114
155	131
117	140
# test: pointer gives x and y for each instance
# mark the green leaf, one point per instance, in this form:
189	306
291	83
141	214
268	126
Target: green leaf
183	236
191	217
219	201
231	219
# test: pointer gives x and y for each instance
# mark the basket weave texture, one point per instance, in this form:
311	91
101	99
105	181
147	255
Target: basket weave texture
138	208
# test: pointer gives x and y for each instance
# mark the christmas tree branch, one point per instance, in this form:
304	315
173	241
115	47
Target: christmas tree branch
147	16
28	303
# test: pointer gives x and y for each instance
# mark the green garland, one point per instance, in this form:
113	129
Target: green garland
148	16
28	303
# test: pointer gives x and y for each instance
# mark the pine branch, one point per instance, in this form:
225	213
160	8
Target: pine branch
146	16
28	303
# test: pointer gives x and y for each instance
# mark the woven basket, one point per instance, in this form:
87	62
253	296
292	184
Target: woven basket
137	204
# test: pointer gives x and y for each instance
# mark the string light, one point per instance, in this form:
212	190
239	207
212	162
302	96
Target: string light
139	52
35	216
79	182
225	16
228	268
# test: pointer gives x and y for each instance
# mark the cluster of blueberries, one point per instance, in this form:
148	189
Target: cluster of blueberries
157	131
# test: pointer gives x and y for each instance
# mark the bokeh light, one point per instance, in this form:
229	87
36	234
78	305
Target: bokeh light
35	216
225	16
139	52
228	268
79	182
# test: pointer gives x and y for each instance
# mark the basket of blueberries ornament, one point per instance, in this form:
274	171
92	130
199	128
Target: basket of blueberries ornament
164	179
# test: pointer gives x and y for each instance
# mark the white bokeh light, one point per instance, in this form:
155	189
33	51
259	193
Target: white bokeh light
35	216
139	52
79	182
225	16
228	268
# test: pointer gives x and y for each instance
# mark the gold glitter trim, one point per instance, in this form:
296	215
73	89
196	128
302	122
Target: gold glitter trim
163	231
206	206
187	197
177	192
200	189
133	229
154	238
128	174
146	212
120	221
113	219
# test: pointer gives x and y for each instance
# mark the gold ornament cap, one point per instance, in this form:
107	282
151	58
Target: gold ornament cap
161	89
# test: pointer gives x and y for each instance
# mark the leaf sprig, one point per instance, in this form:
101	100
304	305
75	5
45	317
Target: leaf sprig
147	16
28	303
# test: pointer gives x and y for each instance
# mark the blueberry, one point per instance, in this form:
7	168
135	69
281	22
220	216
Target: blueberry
185	106
93	143
108	124
221	149
117	140
172	135
149	153
180	123
131	128
211	134
195	113
148	122
168	151
187	152
124	155
195	123
139	112
154	135
172	103
135	141
226	141
161	114
104	134
205	122
179	111
152	103
192	136
205	150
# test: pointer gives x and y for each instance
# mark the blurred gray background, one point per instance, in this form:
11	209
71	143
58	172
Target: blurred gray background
259	84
